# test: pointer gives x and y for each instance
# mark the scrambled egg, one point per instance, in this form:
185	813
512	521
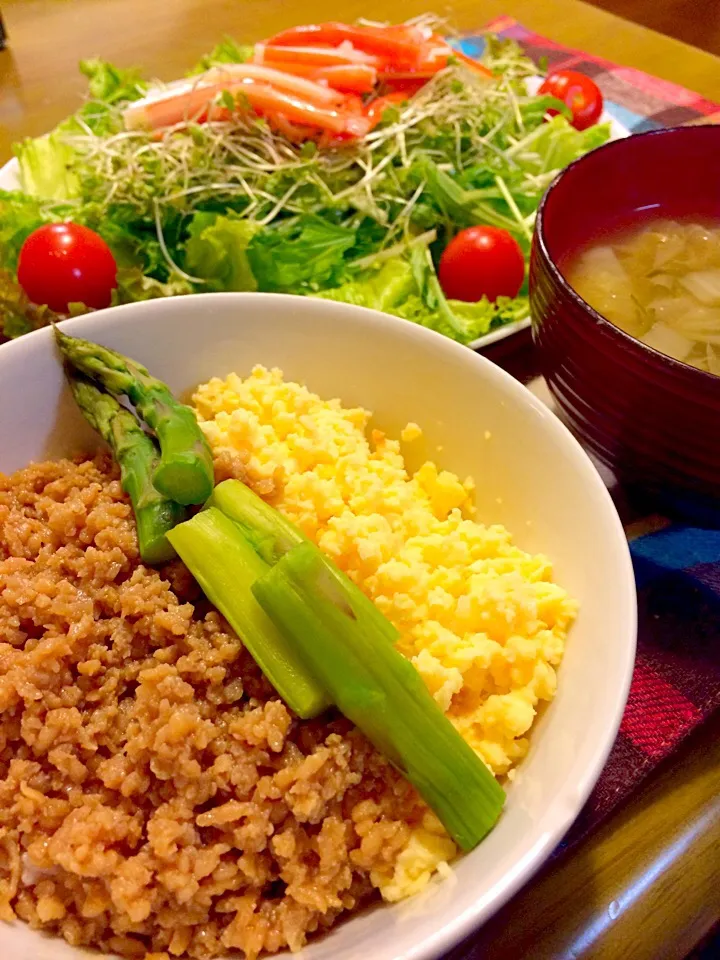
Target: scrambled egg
481	620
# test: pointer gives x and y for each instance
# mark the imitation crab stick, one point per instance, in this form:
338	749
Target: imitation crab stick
355	78
304	80
190	100
473	64
320	56
179	103
350	77
395	51
394	46
294	132
269	101
199	104
291	83
435	54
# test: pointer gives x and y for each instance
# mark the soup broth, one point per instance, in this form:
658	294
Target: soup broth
660	282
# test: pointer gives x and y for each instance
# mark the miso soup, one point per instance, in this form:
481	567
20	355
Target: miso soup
659	282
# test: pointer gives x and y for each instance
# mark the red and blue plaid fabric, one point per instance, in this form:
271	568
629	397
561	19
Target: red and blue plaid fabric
638	101
676	684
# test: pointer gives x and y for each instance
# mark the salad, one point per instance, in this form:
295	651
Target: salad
372	164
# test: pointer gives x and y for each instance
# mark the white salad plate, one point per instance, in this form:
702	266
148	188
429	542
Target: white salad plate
10	180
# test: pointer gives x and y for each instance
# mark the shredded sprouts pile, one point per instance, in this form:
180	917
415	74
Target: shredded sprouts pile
457	120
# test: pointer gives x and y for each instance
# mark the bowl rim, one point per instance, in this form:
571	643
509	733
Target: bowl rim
556	819
607	327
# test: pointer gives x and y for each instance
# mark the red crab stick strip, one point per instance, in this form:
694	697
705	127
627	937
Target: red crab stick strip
302	87
197	104
296	110
355	78
437	52
312	56
177	104
189	100
434	54
391	45
272	103
350	77
473	64
293	132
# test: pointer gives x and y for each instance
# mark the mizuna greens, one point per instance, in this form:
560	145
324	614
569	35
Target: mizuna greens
236	205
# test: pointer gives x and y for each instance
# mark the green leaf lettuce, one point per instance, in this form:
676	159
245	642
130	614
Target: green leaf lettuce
217	251
300	255
409	288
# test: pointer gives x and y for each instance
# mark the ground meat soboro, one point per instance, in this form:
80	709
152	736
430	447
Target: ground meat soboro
155	796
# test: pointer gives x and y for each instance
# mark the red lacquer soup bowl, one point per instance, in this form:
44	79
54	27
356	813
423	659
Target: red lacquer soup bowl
654	420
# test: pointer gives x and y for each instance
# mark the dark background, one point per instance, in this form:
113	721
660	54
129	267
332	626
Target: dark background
694	21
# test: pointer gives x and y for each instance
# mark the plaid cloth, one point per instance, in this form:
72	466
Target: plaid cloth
638	101
676	683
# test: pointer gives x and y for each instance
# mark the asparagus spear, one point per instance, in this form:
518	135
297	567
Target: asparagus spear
185	470
226	565
272	535
334	631
137	457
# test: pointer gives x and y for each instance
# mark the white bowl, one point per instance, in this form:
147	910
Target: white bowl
531	475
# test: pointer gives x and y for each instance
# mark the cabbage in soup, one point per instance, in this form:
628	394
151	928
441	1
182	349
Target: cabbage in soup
659	282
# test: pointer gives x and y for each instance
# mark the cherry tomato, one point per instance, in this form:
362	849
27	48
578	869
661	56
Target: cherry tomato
579	92
481	262
63	263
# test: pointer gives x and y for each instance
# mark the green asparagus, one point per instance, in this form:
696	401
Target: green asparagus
226	565
185	470
270	533
137	457
330	622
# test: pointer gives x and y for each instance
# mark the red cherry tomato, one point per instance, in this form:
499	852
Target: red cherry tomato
63	263
579	92
481	262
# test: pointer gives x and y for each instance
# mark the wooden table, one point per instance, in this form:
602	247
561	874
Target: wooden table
646	885
40	83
